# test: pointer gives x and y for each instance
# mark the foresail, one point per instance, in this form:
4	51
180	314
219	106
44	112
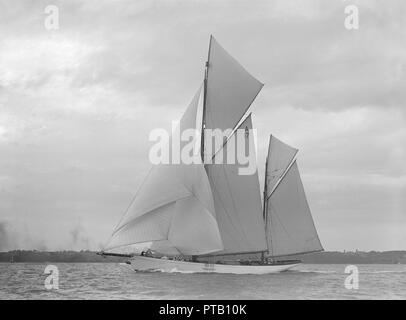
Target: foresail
237	202
149	227
280	156
290	228
157	209
230	89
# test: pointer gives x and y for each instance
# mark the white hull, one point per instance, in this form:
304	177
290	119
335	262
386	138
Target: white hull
141	263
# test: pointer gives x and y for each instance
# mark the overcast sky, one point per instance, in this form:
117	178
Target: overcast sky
77	105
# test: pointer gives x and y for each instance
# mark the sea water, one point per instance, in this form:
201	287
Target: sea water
118	281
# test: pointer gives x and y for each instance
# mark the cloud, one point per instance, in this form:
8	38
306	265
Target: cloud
77	104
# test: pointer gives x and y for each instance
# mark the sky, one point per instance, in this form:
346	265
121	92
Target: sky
77	105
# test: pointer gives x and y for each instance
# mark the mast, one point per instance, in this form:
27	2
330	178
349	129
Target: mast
237	199
264	215
206	70
264	207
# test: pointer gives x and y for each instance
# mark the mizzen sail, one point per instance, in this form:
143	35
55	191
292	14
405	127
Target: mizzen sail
290	227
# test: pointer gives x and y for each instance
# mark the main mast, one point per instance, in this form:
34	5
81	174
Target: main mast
225	107
264	208
206	67
206	71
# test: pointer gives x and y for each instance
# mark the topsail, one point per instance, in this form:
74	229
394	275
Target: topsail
230	90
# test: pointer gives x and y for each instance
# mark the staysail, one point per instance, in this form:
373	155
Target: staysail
237	200
289	224
174	204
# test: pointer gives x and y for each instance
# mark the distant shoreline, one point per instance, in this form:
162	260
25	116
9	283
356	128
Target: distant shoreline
327	257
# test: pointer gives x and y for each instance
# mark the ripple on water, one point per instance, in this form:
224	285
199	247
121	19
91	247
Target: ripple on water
114	281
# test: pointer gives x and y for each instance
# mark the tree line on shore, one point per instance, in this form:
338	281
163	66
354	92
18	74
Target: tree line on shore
327	257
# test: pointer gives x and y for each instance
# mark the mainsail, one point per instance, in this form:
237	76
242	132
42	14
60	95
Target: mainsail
289	223
237	200
175	204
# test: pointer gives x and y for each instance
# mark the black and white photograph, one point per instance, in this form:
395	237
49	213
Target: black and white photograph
201	150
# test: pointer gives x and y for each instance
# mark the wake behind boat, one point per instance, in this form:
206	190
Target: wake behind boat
190	217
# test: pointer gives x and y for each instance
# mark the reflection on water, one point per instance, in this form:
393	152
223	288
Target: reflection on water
118	281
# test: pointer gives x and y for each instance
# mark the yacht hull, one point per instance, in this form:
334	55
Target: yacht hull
148	264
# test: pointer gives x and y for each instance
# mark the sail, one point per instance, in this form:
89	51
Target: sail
230	89
237	202
290	227
169	193
280	156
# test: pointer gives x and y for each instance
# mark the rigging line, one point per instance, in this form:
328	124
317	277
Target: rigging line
238	125
264	215
292	161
